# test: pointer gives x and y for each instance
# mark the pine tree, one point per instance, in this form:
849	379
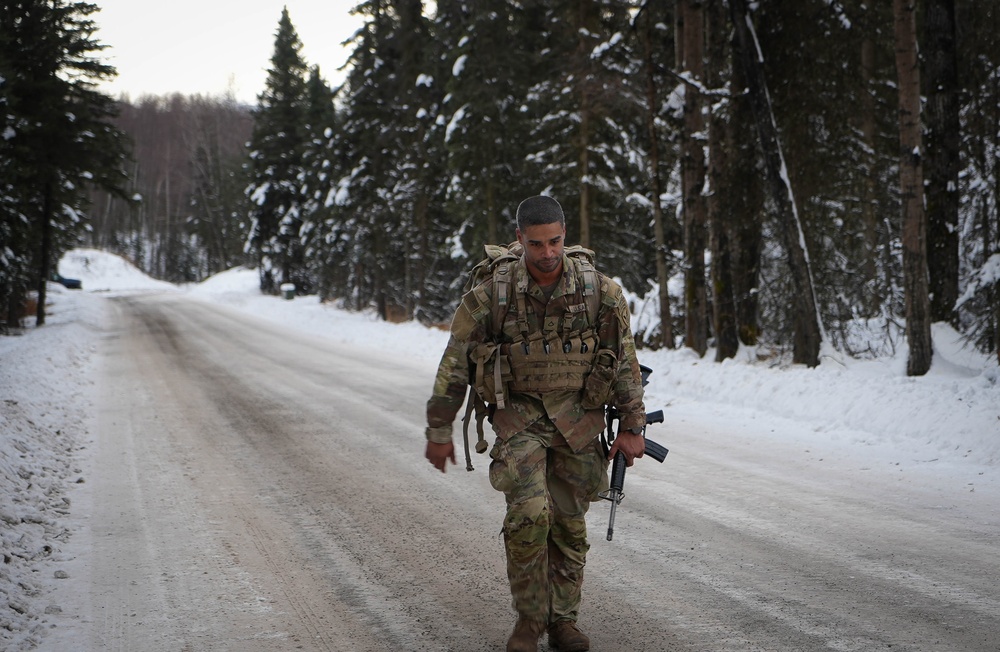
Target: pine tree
941	161
722	219
588	133
632	150
690	35
653	43
276	163
317	175
495	60
390	193
417	182
980	177
58	138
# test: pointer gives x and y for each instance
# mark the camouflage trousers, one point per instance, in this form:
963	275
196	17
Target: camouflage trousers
548	489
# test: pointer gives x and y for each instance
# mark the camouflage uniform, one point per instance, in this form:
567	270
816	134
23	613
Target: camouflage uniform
547	459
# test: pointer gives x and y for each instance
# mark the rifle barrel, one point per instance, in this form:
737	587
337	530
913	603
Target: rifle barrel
611	523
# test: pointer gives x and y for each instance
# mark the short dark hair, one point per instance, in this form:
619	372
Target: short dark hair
539	210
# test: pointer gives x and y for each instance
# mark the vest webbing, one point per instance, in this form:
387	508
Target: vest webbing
549	359
503	273
580	350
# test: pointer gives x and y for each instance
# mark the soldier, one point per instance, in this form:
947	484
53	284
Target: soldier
561	351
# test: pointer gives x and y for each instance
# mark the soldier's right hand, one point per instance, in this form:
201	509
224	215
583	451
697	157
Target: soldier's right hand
439	454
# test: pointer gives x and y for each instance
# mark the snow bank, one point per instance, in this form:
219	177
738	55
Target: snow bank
44	398
101	272
239	288
955	409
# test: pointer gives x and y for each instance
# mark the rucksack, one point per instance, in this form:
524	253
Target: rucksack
500	263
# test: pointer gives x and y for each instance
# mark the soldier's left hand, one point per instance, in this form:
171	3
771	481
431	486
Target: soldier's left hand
630	445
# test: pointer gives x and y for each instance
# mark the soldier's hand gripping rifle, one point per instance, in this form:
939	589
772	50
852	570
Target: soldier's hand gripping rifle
659	453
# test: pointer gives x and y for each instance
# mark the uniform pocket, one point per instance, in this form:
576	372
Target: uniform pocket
501	467
597	388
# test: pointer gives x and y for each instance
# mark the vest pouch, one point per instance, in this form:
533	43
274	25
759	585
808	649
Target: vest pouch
492	374
600	381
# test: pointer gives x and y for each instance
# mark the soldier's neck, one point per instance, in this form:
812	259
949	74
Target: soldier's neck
545	278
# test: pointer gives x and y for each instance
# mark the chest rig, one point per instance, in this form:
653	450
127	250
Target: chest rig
532	351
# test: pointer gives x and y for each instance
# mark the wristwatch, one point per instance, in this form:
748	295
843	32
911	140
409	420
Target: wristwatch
634	431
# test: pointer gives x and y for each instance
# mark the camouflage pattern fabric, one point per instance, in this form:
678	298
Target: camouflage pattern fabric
566	408
548	488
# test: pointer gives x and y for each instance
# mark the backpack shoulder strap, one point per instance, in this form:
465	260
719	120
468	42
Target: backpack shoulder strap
502	266
587	277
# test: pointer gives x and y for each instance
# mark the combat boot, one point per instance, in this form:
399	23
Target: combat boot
565	636
525	636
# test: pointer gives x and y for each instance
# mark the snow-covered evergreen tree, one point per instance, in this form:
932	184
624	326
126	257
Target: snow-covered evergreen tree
275	164
497	51
380	234
56	138
315	176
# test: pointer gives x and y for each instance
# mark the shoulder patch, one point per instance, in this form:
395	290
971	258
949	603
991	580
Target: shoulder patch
611	292
478	301
624	316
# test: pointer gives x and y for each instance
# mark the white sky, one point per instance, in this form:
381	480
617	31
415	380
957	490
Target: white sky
209	46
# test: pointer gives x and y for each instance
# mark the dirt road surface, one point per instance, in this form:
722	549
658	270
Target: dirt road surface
258	490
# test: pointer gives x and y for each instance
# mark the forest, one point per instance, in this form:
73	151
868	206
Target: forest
787	176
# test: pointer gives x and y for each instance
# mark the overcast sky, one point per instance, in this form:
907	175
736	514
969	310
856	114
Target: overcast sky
211	46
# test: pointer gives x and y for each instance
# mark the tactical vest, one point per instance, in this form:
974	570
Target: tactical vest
561	355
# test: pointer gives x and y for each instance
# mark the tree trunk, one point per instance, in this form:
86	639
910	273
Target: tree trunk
584	167
808	332
915	282
492	222
379	276
587	23
659	230
691	16
45	253
747	208
720	213
941	156
869	213
415	299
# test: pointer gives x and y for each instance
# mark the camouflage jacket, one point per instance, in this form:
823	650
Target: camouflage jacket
472	327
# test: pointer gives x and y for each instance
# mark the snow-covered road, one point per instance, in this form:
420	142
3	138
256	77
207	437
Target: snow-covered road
255	489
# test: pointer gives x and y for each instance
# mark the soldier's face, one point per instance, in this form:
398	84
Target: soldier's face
543	246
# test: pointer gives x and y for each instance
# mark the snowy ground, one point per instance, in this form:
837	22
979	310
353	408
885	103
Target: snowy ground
941	430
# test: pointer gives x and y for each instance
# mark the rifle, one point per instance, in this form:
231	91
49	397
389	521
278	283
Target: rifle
659	453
